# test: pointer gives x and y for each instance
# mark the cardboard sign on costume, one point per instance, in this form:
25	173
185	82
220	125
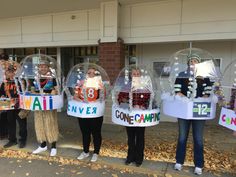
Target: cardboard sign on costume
197	110
228	118
86	110
8	103
135	118
41	102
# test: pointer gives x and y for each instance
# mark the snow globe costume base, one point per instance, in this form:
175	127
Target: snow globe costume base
134	98
9	103
40	80
135	107
189	85
87	87
187	95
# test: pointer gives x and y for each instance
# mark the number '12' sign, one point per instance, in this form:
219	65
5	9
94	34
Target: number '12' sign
201	109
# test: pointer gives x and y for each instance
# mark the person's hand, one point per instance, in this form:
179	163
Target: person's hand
136	106
77	98
180	94
139	107
53	92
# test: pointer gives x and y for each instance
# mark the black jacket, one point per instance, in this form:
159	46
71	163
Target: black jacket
183	84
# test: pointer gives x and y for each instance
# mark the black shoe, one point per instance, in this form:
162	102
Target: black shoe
22	144
127	162
138	164
10	144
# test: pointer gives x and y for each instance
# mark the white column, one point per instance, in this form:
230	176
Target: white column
109	21
59	63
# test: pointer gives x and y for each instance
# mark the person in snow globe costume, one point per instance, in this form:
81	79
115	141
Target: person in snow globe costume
226	92
187	95
3	114
40	80
87	87
9	103
135	107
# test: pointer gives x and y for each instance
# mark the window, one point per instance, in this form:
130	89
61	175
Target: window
82	54
18	54
130	53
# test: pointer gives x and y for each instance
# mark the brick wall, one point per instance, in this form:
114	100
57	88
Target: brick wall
112	57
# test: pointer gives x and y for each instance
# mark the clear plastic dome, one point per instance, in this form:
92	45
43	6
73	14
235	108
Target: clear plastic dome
226	92
187	83
8	87
34	69
39	83
134	98
2	71
189	64
87	82
226	88
135	88
87	87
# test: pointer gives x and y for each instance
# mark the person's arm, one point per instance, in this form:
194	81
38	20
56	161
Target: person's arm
55	87
7	89
178	87
77	90
207	87
2	90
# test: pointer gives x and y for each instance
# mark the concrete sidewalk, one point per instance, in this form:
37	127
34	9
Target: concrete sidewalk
69	145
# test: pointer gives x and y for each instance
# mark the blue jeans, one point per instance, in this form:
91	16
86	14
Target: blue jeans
184	127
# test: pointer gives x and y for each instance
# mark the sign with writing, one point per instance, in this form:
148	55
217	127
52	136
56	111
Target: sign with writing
190	110
41	102
90	93
86	109
135	118
228	119
201	109
8	103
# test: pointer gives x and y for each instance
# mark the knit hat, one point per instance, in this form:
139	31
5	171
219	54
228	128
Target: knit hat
194	56
44	62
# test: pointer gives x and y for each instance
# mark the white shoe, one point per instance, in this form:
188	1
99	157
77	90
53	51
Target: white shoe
178	166
83	155
94	157
198	171
53	152
40	149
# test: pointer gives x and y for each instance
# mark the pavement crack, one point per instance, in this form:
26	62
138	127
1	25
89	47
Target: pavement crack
165	171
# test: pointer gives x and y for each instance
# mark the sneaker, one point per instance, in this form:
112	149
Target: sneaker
40	149
198	171
82	156
53	152
10	144
94	157
178	166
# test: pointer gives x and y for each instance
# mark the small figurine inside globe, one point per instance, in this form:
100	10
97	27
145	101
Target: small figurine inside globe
8	90
40	85
87	87
187	82
226	92
135	98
